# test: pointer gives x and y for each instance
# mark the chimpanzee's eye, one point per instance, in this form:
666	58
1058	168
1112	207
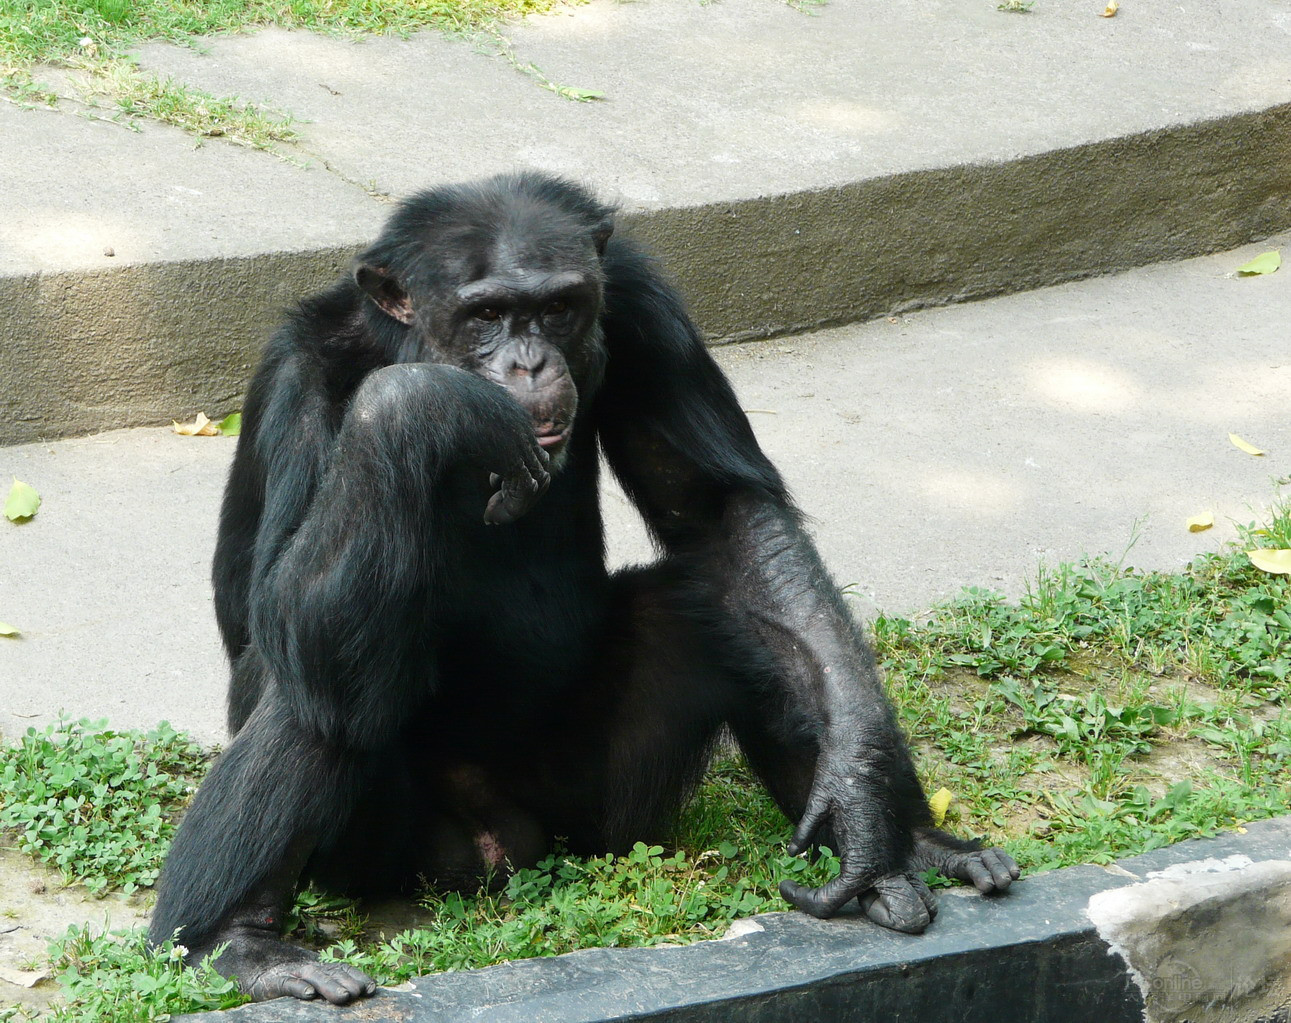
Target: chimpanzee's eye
487	313
555	308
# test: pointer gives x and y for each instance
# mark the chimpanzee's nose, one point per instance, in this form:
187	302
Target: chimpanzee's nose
528	360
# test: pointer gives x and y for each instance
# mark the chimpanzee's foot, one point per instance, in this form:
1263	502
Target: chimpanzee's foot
265	968
987	870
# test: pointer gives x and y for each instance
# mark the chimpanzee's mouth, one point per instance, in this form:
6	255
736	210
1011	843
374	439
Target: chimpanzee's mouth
552	440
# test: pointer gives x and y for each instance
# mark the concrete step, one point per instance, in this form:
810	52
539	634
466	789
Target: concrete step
796	169
1195	932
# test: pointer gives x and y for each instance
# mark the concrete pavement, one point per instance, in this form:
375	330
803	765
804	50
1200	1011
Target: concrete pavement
940	449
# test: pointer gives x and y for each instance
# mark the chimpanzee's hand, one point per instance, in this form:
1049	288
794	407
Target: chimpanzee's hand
843	796
519	487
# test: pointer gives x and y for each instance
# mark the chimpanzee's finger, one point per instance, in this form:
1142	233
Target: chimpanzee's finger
517	492
826	900
1004	868
299	989
988	870
977	873
813	817
536	461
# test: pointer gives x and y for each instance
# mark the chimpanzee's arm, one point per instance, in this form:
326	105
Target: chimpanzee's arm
292	435
288	431
677	439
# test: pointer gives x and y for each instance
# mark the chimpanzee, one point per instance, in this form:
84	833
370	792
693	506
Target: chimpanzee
434	674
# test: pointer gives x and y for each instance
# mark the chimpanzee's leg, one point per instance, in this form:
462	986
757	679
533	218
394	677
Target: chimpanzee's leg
613	763
665	700
274	794
606	763
337	622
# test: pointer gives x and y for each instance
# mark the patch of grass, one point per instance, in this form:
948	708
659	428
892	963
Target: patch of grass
116	977
724	862
651	896
94	803
49	31
92	39
1222	620
1109	711
135	94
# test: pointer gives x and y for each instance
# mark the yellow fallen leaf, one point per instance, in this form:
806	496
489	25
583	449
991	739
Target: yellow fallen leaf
1250	449
939	804
1111	9
199	427
1200	523
8	630
1270	559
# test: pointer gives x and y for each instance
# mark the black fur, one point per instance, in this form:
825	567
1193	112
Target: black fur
416	692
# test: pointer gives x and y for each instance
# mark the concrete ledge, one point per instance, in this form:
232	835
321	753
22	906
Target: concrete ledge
792	263
100	348
85	351
1198	931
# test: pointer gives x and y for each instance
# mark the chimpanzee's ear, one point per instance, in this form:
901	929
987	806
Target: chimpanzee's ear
601	234
385	291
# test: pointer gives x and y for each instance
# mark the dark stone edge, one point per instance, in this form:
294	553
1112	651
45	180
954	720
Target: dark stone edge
94	350
1030	955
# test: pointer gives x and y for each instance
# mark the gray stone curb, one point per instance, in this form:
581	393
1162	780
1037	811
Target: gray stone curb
1199	931
92	350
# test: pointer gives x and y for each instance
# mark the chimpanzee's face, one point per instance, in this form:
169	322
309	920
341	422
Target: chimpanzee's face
517	303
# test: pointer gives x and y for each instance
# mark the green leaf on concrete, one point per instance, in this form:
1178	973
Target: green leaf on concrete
22	502
231	425
8	630
577	95
1266	263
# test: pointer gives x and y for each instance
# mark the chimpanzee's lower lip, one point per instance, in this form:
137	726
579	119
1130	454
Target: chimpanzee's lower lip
551	440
